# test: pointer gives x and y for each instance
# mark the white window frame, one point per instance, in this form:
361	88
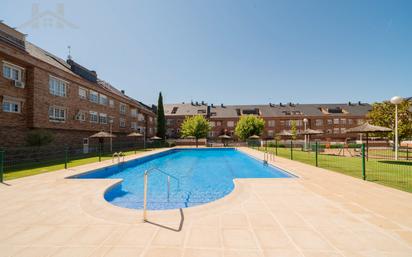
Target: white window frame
122	122
111	103
93	96
140	117
103	118
93	115
103	99
81	116
82	89
122	108
57	118
10	103
271	123
133	112
230	123
57	91
319	122
133	125
11	66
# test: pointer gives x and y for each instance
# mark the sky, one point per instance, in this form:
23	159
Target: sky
232	51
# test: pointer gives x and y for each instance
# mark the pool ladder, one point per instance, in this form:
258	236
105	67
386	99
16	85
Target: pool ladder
268	156
145	182
119	154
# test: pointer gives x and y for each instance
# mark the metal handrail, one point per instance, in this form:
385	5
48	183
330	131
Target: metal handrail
146	175
118	154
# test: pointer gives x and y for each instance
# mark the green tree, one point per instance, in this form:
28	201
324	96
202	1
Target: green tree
39	138
195	126
249	125
293	129
161	120
383	114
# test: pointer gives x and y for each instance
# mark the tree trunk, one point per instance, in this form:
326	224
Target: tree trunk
196	143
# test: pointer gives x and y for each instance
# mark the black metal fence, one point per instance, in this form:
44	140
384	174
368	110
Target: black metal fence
24	161
377	164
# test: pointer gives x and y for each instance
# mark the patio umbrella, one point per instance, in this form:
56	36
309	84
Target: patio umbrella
254	137
155	138
308	133
135	134
367	128
284	133
101	136
224	138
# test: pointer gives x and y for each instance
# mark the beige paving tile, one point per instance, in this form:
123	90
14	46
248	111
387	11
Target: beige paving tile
202	253
322	254
163	252
242	253
204	237
238	239
136	236
309	240
73	251
34	252
91	235
234	220
124	252
262	220
282	253
28	236
272	238
166	237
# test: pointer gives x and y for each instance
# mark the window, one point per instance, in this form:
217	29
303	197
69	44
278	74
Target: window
212	123
211	134
13	72
102	118
150	119
342	130
360	122
336	121
94	117
218	123
133	125
11	106
57	113
103	100
282	123
82	93
343	121
57	87
93	96
336	131
122	108
122	123
230	124
140	117
111	103
81	116
330	122
270	133
133	112
319	122
271	123
169	122
350	121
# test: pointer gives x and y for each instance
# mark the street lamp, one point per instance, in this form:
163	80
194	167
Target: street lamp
111	138
396	100
305	121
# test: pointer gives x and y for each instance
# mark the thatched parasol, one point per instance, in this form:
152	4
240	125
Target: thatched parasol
367	128
135	134
102	134
224	138
284	133
155	138
309	132
254	137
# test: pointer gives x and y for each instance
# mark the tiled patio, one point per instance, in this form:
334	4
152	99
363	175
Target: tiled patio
319	214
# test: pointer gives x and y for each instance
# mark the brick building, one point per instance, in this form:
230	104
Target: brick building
332	119
39	90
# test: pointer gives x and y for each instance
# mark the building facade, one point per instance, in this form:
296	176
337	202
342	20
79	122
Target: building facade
332	119
41	91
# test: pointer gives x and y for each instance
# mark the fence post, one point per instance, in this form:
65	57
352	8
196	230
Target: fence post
276	148
100	153
363	162
291	149
316	152
66	157
1	166
407	152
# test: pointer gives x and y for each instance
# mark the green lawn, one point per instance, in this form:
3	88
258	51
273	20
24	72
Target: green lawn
28	169
397	174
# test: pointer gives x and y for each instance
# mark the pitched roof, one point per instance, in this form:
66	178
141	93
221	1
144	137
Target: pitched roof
185	109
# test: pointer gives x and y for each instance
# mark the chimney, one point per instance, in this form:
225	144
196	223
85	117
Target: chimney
203	102
123	92
349	103
212	106
280	104
222	105
359	103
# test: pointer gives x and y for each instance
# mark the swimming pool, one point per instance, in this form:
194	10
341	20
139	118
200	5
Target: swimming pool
197	176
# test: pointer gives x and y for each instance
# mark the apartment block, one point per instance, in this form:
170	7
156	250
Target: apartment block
39	90
332	119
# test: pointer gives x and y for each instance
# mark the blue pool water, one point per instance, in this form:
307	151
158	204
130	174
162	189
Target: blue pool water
198	176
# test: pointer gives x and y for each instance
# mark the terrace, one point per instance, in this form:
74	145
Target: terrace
321	213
